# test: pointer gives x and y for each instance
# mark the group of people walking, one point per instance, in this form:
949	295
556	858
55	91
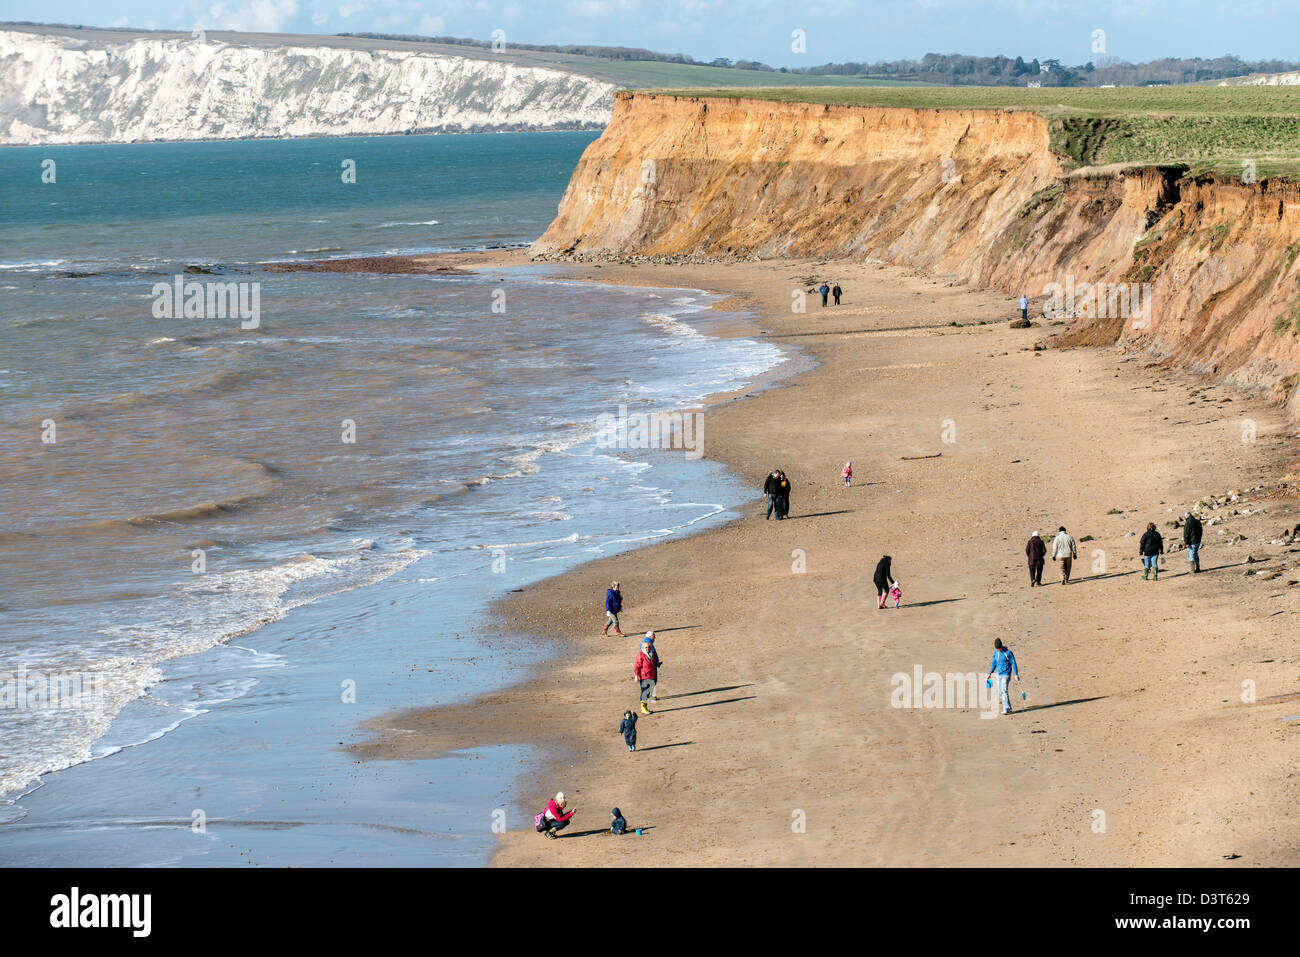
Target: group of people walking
826	290
647	664
646	671
1151	546
1064	551
777	489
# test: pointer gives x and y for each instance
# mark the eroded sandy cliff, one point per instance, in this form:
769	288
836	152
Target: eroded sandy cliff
977	194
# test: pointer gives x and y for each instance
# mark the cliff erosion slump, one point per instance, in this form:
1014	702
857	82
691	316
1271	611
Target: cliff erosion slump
977	194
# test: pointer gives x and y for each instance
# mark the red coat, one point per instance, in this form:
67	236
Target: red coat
1036	550
555	814
645	667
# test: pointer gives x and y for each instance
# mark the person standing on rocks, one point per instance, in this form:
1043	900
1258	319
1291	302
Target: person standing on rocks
825	290
613	605
1036	551
883	579
1064	552
1150	548
1024	306
1192	532
836	292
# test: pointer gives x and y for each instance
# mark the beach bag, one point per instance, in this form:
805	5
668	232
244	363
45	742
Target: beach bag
539	822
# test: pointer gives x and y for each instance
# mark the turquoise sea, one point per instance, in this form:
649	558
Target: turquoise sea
227	541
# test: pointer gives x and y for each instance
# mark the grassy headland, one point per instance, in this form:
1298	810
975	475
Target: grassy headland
1208	128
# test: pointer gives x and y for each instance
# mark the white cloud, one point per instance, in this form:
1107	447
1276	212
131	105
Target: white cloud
258	16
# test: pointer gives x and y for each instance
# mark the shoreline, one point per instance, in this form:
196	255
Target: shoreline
461	670
765	735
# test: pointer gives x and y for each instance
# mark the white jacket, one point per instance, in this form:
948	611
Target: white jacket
1063	546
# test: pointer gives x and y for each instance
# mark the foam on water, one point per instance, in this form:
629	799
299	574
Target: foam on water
476	439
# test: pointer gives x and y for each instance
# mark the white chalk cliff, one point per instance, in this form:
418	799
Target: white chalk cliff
56	89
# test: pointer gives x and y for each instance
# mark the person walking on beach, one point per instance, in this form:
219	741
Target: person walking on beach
1064	552
825	290
836	292
645	673
846	473
772	489
654	656
1036	551
556	816
883	579
1192	539
782	495
1024	306
1150	548
628	730
1004	665
613	605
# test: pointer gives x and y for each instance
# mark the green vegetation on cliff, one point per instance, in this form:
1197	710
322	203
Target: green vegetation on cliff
1225	129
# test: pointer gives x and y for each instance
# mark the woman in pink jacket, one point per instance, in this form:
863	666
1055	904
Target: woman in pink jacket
556	818
646	673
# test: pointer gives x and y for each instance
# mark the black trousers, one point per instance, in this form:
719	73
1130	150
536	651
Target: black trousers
1036	573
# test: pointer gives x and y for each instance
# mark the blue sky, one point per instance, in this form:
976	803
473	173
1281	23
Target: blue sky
836	30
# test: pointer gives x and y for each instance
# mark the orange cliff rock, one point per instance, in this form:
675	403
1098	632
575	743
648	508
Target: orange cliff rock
976	194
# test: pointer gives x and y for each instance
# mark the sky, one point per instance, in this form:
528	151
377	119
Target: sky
1073	31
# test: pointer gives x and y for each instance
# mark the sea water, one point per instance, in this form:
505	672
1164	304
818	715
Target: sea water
226	543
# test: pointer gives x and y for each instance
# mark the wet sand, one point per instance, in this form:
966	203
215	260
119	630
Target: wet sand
775	739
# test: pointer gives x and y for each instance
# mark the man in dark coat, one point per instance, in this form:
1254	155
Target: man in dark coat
1036	551
772	489
1192	539
836	292
783	495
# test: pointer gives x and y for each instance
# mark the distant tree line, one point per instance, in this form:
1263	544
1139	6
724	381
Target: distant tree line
958	70
953	69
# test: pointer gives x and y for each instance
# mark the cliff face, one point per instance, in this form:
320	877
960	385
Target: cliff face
717	176
56	89
974	194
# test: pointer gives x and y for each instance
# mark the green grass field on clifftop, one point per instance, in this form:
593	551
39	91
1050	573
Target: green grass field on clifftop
1208	128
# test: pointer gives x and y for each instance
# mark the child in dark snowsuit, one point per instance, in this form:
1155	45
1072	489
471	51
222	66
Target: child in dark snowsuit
618	825
628	730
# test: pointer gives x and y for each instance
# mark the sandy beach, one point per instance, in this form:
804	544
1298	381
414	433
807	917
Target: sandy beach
1154	728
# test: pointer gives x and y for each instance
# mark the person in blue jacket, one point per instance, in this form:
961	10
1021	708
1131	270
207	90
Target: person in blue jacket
613	605
1004	665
